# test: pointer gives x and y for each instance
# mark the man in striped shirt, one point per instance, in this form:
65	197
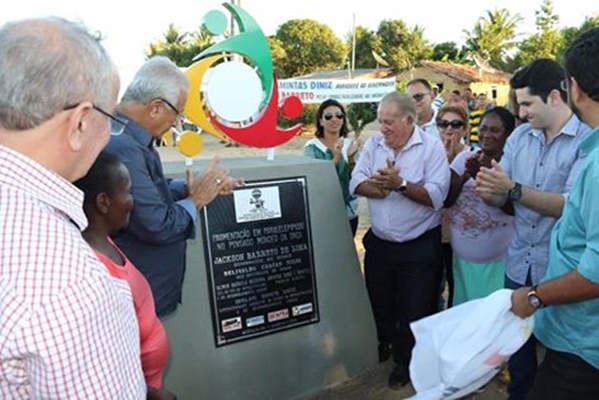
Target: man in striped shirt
67	328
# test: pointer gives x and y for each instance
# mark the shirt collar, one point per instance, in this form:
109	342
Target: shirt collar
415	138
590	142
136	131
571	128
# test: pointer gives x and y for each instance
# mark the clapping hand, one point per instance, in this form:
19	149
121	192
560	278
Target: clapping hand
473	163
337	150
354	147
386	179
493	184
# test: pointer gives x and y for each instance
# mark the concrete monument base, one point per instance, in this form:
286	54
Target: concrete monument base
289	363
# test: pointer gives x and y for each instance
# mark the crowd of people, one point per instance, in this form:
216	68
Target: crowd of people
498	189
94	235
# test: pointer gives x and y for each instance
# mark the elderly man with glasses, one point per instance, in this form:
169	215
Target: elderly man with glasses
165	211
68	330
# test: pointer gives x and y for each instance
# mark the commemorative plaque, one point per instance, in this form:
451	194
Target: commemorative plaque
259	260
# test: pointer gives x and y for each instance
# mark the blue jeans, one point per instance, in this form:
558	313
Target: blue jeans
523	364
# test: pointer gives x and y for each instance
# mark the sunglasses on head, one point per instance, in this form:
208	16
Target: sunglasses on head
444	124
419	96
328	117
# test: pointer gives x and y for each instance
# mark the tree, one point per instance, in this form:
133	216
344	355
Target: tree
364	40
547	42
361	114
570	33
400	46
181	48
493	36
309	47
448	51
278	54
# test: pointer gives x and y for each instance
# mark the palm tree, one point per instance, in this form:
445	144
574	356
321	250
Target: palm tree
493	36
181	48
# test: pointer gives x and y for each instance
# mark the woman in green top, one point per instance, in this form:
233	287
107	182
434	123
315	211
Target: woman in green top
331	143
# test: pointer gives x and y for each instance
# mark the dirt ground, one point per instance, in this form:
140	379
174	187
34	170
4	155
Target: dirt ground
372	383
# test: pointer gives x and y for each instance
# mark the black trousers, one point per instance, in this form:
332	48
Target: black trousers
564	376
403	285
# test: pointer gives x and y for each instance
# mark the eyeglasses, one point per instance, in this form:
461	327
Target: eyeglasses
455	124
175	109
419	96
564	85
117	126
328	117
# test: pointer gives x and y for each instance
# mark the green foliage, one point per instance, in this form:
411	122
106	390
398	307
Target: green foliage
400	46
570	33
181	48
449	51
364	42
309	47
494	36
547	42
306	46
278	54
360	114
307	118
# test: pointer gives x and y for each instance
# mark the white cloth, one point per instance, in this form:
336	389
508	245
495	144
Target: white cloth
462	348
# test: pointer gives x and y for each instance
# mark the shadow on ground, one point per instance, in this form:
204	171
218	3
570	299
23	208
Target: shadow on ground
372	385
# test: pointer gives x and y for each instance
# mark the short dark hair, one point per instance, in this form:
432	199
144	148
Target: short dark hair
422	81
541	77
581	61
506	117
323	106
100	178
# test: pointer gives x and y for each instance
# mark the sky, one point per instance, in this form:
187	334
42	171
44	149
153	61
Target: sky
130	25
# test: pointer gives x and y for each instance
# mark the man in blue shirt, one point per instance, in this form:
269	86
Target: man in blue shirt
569	324
165	211
536	173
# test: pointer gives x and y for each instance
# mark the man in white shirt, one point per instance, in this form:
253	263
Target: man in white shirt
404	174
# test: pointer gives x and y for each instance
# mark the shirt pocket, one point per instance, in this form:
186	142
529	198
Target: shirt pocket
413	171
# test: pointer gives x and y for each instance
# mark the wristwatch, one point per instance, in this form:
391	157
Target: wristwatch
402	186
533	298
515	193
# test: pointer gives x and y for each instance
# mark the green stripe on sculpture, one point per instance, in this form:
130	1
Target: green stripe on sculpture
250	43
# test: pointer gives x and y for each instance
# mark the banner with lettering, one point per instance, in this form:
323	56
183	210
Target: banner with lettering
343	90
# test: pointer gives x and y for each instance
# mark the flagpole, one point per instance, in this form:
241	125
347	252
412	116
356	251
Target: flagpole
353	47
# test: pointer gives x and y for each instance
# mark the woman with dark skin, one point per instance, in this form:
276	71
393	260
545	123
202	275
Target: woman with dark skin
107	206
480	234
